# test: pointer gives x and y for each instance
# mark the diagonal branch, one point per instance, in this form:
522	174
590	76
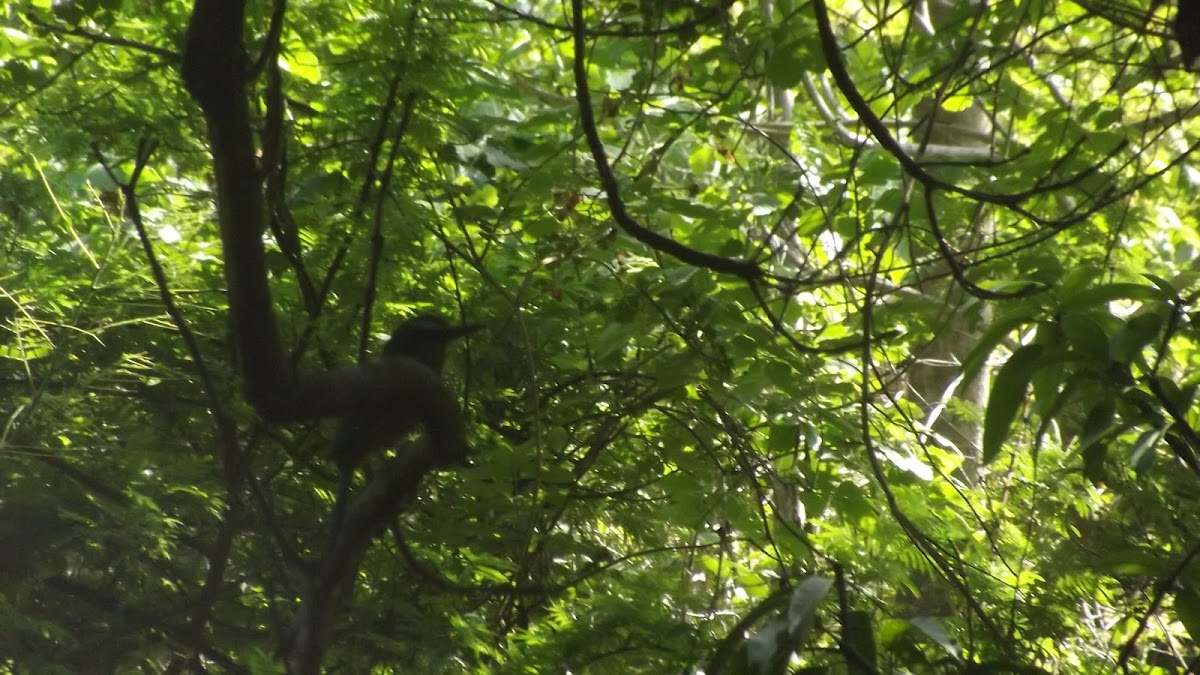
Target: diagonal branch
233	456
384	498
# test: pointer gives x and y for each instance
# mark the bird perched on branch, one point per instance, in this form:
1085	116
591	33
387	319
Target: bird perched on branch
425	339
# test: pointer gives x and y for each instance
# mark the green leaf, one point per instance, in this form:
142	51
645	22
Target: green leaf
1100	420
934	629
297	59
1187	609
1142	452
1166	287
784	69
803	608
1129	341
1007	397
783	438
611	340
1095	437
990	339
1078	279
1087	334
1108	293
767	647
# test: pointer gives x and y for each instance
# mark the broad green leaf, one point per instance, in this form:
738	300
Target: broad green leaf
1087	333
785	68
766	647
1142	453
1095	439
1007	397
1100	421
1111	292
295	58
1141	328
995	334
1166	287
1187	607
805	600
934	630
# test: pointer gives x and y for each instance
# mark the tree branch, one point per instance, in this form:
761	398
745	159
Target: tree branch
745	269
217	73
329	586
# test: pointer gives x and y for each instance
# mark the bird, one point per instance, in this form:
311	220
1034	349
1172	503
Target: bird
424	338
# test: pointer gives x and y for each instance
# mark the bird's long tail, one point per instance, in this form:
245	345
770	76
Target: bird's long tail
343	441
337	518
341	501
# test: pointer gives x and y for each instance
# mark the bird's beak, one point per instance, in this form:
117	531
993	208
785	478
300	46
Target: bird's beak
462	330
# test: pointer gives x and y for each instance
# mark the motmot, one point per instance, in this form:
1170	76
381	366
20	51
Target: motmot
424	338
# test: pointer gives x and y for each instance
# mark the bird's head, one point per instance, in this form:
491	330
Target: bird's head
426	337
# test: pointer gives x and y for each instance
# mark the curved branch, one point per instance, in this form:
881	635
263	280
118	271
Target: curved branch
217	73
845	83
105	39
744	269
956	266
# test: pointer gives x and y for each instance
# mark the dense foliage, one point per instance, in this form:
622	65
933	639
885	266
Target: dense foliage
820	337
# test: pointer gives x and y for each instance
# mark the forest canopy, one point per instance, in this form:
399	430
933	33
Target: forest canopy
481	336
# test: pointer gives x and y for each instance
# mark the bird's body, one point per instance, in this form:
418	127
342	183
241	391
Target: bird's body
424	339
